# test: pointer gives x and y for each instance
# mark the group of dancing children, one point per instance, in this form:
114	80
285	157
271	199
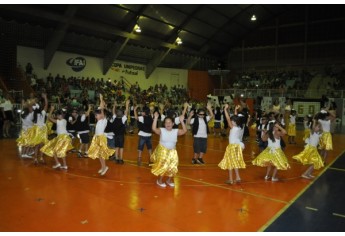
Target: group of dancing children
108	139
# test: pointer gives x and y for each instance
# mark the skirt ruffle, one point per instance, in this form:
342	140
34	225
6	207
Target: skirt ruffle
165	161
99	148
310	155
326	141
233	158
39	135
25	137
272	156
59	145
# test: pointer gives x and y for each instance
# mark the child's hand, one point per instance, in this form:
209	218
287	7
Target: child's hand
181	118
226	106
156	115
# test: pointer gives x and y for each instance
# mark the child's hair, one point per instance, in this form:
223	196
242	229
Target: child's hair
293	112
37	110
321	115
60	112
270	130
238	119
25	112
119	113
168	118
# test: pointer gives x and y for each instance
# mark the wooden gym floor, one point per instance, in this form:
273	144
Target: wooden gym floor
127	199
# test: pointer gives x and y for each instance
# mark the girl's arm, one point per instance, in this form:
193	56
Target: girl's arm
154	124
127	108
282	130
44	96
227	116
50	116
184	128
210	112
190	117
264	136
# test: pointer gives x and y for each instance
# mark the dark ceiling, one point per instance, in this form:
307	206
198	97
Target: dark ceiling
208	31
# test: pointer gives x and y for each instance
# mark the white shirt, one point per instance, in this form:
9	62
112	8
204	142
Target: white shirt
100	126
275	144
168	138
61	127
27	121
314	138
41	118
235	136
326	125
202	130
292	119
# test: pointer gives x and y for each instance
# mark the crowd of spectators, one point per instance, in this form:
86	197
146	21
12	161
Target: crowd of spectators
83	90
284	80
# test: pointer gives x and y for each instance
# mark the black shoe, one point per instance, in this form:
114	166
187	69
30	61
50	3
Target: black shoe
200	161
79	155
121	162
194	161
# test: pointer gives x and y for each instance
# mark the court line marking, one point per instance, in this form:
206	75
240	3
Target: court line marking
281	211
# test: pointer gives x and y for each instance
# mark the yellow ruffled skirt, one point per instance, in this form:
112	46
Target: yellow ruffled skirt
291	130
99	148
233	158
40	135
59	145
165	161
25	137
306	134
326	141
272	156
310	155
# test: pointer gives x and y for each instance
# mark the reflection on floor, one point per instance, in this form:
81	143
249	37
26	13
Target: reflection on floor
39	198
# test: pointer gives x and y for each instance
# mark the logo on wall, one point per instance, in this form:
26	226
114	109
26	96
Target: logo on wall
77	64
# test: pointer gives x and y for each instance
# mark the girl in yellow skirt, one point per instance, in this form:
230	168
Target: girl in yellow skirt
273	155
58	146
164	157
310	155
307	123
99	148
40	129
292	127
233	157
326	143
26	132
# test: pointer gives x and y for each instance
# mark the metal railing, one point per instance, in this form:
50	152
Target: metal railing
253	93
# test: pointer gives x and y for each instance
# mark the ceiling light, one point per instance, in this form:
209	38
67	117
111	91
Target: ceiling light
253	18
137	28
179	41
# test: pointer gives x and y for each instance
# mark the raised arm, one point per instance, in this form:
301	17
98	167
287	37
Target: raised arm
282	130
185	107
154	124
210	112
135	112
191	113
44	96
184	128
50	116
127	107
227	116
